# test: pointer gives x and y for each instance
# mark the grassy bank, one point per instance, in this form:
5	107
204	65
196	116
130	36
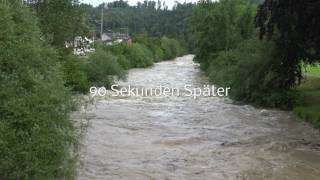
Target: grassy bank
313	70
309	101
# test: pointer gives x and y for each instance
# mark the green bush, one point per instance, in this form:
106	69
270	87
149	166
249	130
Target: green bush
139	55
171	48
116	50
154	44
167	48
145	51
75	74
222	68
158	53
249	71
123	61
35	133
103	67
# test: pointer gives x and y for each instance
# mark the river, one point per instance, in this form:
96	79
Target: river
177	138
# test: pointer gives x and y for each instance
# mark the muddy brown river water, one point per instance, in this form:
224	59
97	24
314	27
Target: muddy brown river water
178	138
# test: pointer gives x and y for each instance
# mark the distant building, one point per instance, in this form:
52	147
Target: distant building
112	38
81	45
106	37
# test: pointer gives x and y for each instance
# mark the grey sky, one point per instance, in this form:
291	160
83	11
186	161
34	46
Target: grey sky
169	3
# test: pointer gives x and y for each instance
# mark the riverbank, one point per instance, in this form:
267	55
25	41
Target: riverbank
313	70
309	101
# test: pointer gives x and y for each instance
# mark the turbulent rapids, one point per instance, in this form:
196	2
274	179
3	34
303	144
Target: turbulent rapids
180	137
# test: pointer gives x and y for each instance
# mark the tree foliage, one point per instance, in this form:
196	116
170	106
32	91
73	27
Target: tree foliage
35	133
294	26
220	26
60	20
229	51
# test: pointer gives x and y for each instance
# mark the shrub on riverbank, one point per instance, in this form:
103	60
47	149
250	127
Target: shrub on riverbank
75	74
139	55
35	132
103	67
154	45
123	61
162	48
144	51
171	48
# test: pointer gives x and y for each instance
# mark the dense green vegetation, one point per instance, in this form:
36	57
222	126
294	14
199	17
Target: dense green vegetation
258	51
75	74
293	26
102	67
145	51
35	132
229	51
60	20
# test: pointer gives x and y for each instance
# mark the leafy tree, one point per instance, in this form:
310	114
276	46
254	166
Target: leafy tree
294	27
220	26
60	20
231	54
35	133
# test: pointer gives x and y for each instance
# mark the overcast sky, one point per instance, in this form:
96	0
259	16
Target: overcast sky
169	3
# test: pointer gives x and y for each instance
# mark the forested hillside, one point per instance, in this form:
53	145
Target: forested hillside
149	17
